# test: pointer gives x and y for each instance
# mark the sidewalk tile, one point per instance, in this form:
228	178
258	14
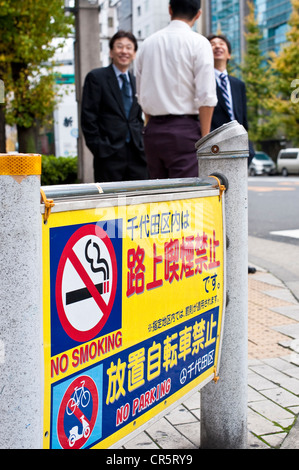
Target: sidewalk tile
193	402
290	311
269	373
275	440
271	410
253	395
259	425
191	431
288	330
254	442
258	382
294	409
141	441
290	384
282	294
267	278
180	415
167	436
282	397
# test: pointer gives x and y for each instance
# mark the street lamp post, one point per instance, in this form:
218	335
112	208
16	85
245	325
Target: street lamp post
87	57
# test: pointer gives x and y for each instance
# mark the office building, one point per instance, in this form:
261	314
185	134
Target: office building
228	17
273	17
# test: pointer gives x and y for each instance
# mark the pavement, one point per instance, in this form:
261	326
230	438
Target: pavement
273	378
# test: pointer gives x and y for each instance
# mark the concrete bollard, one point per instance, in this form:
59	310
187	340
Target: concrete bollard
21	364
224	404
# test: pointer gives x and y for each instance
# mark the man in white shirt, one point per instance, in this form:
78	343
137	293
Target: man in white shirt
177	92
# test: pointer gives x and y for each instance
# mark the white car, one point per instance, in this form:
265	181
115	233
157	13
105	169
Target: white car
288	162
261	164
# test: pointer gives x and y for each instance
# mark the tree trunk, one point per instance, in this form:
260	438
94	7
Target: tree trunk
27	139
2	131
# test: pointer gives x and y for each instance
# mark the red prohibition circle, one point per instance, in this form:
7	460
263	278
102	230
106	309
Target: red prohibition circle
67	254
90	387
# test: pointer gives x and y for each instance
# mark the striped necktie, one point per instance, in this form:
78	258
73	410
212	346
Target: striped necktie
126	95
223	86
127	99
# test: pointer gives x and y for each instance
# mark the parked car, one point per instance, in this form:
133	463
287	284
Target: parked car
261	164
288	162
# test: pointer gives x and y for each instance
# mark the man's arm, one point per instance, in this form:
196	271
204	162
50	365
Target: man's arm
205	119
90	110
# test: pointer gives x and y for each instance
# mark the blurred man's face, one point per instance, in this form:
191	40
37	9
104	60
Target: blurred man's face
123	53
220	50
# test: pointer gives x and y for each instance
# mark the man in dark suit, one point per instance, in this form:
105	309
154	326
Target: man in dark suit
111	118
231	91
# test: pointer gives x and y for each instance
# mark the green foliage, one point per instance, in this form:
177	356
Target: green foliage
27	30
32	103
286	71
258	78
59	170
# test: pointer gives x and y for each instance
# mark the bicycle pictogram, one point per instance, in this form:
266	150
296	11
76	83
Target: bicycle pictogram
81	397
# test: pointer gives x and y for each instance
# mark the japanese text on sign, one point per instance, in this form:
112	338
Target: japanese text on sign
188	341
168	222
181	259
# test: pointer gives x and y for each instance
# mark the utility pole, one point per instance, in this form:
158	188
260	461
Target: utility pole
224	152
2	117
87	57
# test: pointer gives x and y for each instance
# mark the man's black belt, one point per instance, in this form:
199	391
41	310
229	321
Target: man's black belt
175	116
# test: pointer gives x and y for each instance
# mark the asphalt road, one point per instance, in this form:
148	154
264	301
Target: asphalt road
273	227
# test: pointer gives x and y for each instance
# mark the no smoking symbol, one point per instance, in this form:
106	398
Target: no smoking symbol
86	283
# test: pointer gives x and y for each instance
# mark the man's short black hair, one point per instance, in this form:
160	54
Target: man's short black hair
123	34
224	38
186	9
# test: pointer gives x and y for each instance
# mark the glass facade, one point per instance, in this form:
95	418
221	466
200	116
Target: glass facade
227	16
273	17
225	19
125	15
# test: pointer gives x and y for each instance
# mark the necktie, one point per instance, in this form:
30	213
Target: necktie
125	91
223	86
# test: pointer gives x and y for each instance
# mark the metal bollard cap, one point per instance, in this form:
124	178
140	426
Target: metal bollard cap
231	139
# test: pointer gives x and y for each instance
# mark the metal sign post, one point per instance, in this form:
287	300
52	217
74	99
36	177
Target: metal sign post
224	405
20	303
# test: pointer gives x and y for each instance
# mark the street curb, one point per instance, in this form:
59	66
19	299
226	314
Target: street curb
292	439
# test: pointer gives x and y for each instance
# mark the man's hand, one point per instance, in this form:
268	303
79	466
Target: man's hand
205	119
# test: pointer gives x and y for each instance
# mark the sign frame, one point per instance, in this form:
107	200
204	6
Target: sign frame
87	212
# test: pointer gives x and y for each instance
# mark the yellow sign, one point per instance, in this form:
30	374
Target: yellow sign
133	313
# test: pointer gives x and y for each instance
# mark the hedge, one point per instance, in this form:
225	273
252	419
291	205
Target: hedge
59	170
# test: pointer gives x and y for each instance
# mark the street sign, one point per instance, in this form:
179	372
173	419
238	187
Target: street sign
133	313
